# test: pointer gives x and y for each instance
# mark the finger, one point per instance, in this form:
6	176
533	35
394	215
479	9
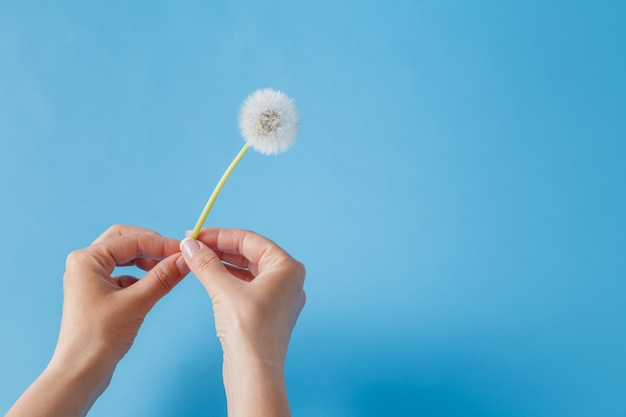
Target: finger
159	280
241	273
231	258
125	281
146	264
206	266
125	249
258	250
121	229
237	260
143	263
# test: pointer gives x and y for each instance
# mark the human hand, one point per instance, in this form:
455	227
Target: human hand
257	296
102	313
101	317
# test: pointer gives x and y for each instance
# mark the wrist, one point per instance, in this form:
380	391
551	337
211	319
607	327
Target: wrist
63	389
90	370
82	363
92	377
255	385
240	365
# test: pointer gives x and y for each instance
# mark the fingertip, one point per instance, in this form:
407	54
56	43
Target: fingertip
182	242
188	247
160	280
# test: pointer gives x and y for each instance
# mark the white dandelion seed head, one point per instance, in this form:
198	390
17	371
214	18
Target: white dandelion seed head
268	121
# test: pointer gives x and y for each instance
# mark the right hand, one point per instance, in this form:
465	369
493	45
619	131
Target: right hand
256	289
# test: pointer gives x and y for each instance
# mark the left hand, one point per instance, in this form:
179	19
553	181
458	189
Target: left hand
101	317
102	313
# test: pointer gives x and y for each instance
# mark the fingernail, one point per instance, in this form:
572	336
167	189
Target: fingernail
188	247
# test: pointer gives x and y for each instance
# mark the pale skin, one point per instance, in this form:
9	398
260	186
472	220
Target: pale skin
257	294
256	303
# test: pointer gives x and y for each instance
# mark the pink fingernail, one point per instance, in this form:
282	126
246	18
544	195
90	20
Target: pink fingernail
189	247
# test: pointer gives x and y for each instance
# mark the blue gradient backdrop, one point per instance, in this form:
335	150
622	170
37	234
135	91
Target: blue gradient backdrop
457	193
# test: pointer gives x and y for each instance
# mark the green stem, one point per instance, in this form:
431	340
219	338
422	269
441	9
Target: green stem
196	230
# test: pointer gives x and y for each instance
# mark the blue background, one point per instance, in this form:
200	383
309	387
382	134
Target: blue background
457	193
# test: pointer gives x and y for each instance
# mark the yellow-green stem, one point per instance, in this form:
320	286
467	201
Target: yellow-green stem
216	191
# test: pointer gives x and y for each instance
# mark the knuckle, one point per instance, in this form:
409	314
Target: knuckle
73	263
303	300
75	258
205	264
162	278
299	271
115	229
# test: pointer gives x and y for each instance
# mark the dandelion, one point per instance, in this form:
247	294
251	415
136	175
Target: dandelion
268	122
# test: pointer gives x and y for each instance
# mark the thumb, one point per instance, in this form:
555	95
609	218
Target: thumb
160	280
205	264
